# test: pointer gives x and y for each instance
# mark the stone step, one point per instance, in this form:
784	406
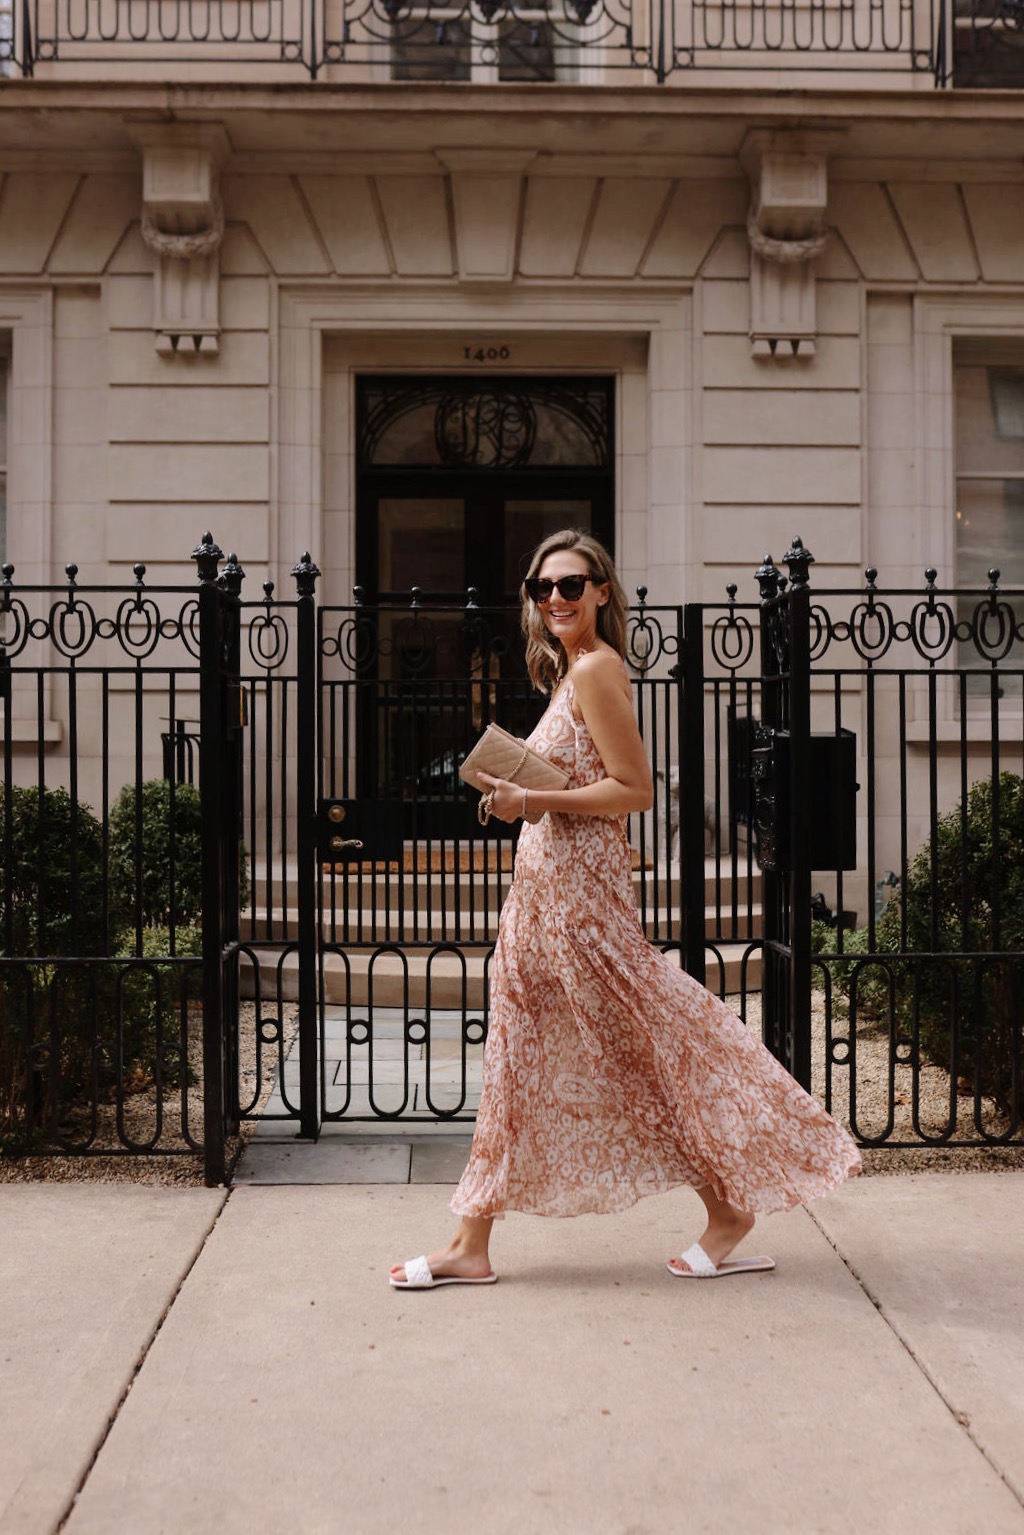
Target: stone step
452	984
376	927
342	888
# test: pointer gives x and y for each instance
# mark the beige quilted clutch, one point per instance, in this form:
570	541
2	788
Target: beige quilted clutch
505	756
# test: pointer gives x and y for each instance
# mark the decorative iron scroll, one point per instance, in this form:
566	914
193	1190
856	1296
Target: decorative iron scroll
480	41
988	43
468	639
986	624
649	639
485	423
73	625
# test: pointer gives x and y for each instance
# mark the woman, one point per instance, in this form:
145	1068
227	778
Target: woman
609	1073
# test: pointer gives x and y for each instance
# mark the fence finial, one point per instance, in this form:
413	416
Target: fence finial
798	562
306	573
767	577
207	556
232	575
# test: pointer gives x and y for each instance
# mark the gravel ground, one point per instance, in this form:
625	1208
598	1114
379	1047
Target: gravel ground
872	1062
177	1164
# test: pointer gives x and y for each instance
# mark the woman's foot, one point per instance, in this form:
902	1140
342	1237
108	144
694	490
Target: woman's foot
725	1229
455	1261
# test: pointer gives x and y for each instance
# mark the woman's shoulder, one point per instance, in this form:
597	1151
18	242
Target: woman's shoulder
599	668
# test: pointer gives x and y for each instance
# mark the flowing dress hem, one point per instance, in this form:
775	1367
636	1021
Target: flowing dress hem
767	1202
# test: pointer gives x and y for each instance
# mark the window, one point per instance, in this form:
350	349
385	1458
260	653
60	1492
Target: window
5	368
989	385
6	37
438	43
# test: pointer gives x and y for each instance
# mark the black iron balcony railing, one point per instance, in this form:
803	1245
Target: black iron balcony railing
591	42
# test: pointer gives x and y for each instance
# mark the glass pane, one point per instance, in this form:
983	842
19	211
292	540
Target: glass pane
4	380
525	51
499	423
990	534
989	420
421	543
432	50
528	522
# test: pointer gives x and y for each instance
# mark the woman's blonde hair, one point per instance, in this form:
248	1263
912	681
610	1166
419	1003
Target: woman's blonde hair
546	660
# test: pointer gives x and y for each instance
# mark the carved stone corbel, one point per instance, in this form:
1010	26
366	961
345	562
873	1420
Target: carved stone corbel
788	174
183	224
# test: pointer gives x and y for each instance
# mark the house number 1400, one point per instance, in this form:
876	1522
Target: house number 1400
486	353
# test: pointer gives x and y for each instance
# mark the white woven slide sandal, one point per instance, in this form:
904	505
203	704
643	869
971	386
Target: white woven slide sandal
700	1266
419	1277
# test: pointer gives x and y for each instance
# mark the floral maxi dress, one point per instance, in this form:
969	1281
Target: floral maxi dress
609	1073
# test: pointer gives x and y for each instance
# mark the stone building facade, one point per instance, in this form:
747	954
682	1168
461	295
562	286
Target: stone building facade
806	288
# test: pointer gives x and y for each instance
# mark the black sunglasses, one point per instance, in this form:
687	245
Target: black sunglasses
540	589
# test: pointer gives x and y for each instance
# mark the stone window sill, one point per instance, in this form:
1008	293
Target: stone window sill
946	733
26	732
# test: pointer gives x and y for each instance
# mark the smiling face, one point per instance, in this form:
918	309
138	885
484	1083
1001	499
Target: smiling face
574	623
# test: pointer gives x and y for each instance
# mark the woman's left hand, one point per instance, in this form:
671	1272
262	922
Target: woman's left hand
507	803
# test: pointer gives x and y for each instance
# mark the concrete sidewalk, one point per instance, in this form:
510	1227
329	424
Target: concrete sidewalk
187	1360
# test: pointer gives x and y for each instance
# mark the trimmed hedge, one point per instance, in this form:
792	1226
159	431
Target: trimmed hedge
959	897
79	1025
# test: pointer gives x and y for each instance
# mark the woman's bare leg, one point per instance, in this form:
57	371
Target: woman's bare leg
466	1255
726	1226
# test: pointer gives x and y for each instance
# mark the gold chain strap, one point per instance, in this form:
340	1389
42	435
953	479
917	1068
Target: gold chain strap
486	805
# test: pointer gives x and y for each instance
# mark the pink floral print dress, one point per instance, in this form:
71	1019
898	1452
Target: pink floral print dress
609	1073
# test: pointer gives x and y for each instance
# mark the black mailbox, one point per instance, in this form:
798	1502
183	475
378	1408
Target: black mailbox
832	809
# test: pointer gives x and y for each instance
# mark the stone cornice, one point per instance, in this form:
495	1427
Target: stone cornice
795	106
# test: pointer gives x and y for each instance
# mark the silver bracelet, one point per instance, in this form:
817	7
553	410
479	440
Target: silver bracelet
525	793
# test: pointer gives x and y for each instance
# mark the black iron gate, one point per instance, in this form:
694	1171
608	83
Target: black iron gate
866	750
379	914
794	740
835	846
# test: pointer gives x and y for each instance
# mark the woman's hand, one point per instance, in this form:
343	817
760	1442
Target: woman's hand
507	803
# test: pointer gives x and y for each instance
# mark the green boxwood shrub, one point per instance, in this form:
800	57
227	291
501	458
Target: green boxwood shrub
55	895
73	1029
156	852
969	1015
58	904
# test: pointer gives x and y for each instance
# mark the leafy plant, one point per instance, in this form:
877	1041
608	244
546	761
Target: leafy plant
55	895
58	911
80	1022
153	997
156	852
963	894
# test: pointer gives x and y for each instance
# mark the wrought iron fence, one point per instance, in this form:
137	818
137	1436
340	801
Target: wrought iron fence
377	909
515	41
886	768
113	885
836	844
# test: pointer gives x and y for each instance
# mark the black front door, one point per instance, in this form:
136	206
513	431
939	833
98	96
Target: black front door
459	479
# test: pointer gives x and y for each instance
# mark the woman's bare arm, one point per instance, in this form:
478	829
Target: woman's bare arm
603	699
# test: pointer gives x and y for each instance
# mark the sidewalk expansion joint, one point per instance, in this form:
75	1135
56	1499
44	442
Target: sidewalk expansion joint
961	1418
140	1361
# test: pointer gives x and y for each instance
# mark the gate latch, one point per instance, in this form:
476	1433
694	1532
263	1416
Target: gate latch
333	845
360	831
